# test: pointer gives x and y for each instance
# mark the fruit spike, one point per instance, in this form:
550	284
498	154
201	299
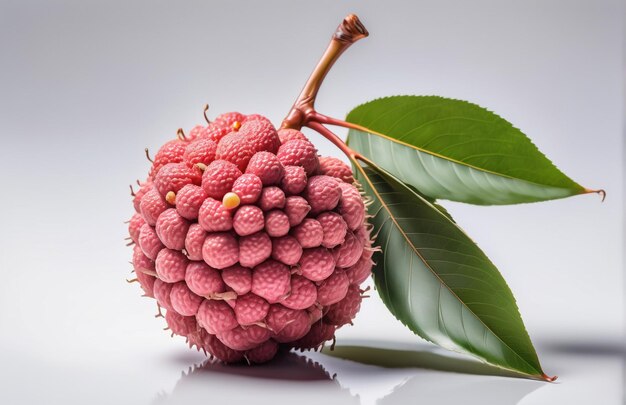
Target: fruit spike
247	238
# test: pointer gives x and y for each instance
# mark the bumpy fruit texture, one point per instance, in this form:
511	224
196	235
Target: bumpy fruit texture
249	240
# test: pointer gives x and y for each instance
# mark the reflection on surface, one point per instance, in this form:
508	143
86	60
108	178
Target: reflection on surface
453	389
353	374
289	377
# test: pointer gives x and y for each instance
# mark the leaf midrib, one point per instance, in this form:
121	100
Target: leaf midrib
358	127
360	168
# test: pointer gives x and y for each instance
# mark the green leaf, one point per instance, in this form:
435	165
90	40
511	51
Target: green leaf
437	282
455	150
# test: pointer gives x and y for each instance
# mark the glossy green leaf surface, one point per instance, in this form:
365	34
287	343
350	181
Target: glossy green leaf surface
455	150
438	282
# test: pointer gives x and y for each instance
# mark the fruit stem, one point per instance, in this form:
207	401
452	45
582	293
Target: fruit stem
328	134
321	118
348	32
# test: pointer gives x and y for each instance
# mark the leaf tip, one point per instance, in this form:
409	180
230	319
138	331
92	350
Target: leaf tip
547	378
600	192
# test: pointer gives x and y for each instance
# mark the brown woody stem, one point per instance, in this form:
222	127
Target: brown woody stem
348	32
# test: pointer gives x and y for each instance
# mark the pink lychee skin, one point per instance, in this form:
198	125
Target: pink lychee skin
200	151
298	326
219	177
286	250
294	180
263	353
271	197
194	241
248	219
333	289
183	300
162	292
250	309
287	324
170	152
216	316
217	130
271	280
267	167
351	206
171	265
317	264
238	278
276	223
334	228
345	310
299	152
349	252
174	176
141	262
203	280
189	199
138	196
152	205
220	250
279	267
323	193
220	351
228	119
147	282
199	131
254	249
361	270
309	233
331	166
214	217
134	227
261	134
320	332
179	324
244	339
172	229
288	134
302	294
296	208
149	242
248	188
235	148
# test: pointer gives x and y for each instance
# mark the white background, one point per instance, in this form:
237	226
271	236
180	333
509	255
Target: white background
85	86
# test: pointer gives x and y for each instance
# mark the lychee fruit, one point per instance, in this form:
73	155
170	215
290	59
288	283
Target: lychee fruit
331	166
299	152
172	229
271	197
248	187
174	176
249	240
288	134
219	178
171	152
200	151
294	180
267	167
235	148
261	134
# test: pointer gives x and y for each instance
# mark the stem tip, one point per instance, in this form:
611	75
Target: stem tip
351	29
